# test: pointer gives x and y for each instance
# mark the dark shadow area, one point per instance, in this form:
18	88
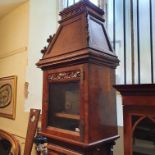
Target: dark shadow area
5	147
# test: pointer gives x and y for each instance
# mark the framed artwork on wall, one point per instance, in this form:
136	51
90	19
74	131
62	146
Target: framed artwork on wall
8	91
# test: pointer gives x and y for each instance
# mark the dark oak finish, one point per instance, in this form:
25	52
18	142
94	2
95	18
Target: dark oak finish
80	52
139	101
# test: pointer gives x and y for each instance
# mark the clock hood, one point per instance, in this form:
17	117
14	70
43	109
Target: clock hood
80	38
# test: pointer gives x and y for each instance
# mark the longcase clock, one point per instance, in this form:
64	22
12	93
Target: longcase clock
78	109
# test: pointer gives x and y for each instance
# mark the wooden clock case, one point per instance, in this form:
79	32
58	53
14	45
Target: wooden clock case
79	62
139	118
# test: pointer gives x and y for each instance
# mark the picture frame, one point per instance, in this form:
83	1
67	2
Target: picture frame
8	93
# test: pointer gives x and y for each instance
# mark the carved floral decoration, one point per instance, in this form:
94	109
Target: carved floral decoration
65	75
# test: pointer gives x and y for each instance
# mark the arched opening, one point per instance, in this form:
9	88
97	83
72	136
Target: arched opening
144	136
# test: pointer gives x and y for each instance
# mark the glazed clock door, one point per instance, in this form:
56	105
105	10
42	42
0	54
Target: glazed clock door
64	87
64	105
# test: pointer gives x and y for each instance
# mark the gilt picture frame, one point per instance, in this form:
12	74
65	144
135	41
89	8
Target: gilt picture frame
8	93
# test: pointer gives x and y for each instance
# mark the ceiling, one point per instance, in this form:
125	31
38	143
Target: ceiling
8	5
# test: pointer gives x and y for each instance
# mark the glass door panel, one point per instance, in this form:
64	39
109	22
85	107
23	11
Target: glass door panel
64	105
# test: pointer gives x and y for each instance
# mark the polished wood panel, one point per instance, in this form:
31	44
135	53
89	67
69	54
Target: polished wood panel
139	101
31	130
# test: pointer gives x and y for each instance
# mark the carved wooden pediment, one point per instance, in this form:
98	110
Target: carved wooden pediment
80	37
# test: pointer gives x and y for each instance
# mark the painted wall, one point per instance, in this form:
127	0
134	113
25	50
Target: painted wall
23	33
42	23
13	61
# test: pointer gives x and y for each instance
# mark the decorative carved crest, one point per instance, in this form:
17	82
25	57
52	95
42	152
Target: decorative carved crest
65	75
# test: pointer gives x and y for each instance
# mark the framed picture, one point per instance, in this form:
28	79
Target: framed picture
8	90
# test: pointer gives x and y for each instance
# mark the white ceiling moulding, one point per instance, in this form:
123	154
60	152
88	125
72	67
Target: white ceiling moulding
8	5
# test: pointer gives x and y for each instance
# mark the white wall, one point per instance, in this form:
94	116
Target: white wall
43	17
